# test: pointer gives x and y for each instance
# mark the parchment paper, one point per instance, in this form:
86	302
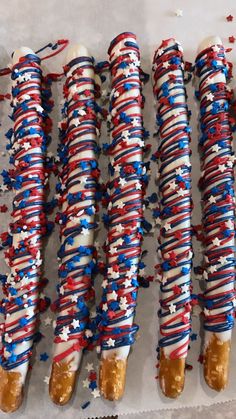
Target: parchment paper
95	23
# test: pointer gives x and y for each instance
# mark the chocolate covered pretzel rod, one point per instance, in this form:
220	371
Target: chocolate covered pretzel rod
175	214
125	212
22	285
217	186
78	187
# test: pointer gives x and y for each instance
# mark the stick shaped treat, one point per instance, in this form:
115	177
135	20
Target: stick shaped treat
175	206
78	188
218	209
22	285
125	212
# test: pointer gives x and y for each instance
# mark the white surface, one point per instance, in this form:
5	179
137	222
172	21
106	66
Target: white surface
94	23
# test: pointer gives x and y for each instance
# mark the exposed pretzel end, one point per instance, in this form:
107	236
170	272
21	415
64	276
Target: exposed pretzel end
112	376
62	383
11	390
171	376
216	363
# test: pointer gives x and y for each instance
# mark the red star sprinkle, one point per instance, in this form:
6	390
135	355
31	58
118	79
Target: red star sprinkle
229	18
200	359
3	208
150	278
165	43
194	302
172	255
79	71
188	367
87	92
176	290
92	376
178	234
232	39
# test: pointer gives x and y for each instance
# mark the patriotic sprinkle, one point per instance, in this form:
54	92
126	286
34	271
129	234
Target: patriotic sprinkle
179	13
229	18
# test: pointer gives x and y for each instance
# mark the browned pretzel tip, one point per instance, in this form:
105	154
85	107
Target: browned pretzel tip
112	375
171	376
62	383
216	363
11	390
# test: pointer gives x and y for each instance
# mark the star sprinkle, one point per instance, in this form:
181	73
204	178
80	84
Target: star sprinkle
210	97
75	323
113	250
96	393
74	298
185	288
216	148
212	199
193	337
172	185
133	56
47	321
44	356
232	39
111	342
122	182
166	64
89	367
85	231
86	383
167	226
179	171
105	307
120	204
113	294
179	13
206	312
3	188
123	303
127	283
212	269
172	308
182	192
229	18
119	228
216	242
222	260
126	72
46	379
135	122
222	168
160	51
3	208
64	335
